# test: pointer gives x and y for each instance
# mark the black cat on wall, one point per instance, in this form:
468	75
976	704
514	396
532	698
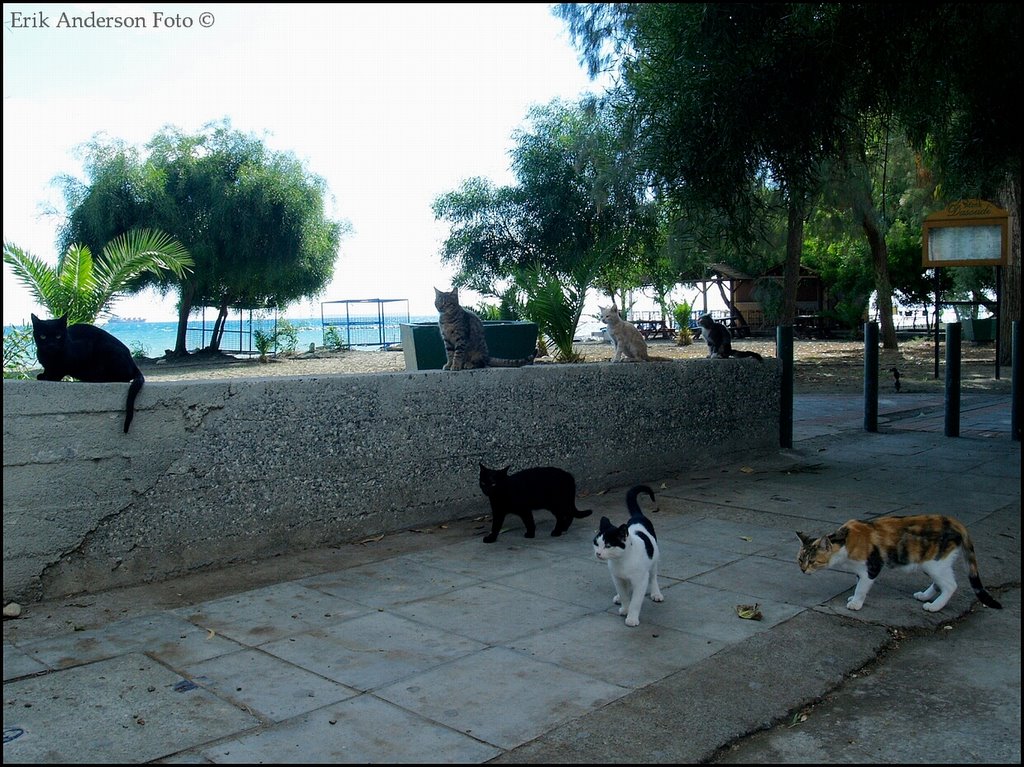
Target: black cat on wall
87	353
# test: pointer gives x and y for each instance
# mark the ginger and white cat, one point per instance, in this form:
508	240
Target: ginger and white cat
929	542
627	341
631	551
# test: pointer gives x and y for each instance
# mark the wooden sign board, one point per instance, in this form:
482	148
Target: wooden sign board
966	233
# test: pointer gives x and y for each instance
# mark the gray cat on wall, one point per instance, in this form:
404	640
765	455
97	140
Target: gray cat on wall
463	335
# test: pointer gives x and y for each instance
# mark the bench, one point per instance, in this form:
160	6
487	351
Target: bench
654	329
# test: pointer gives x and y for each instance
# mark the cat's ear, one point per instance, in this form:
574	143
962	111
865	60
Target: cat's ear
606	524
806	539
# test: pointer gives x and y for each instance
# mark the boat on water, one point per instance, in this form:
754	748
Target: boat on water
113	319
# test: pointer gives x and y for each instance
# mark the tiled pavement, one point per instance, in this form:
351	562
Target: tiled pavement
438	648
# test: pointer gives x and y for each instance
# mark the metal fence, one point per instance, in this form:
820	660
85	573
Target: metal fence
237	335
363	321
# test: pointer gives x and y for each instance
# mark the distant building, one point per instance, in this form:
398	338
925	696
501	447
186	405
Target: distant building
741	292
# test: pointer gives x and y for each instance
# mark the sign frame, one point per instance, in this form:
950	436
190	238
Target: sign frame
961	221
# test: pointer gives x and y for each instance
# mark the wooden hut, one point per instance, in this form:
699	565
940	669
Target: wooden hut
738	291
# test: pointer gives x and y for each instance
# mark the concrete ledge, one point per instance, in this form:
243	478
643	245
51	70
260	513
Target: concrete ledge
219	471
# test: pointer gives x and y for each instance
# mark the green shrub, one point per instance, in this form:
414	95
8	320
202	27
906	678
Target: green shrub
19	352
139	350
287	336
264	342
332	339
488	312
681	314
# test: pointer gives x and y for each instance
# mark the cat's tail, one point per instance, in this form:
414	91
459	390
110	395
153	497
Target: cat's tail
133	392
631	496
501	362
972	570
577	514
755	355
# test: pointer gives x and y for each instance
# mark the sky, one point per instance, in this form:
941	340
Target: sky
391	104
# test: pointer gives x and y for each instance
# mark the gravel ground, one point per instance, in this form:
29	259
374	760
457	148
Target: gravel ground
819	366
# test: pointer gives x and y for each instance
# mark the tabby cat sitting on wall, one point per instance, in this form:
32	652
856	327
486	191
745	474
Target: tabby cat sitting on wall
463	335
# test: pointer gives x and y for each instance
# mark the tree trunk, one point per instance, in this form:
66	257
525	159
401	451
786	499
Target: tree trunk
1009	307
733	311
188	292
883	287
791	271
218	326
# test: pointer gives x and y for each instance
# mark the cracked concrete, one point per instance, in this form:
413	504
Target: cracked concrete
214	472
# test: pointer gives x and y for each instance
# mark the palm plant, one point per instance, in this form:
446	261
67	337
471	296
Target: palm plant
555	304
83	287
264	342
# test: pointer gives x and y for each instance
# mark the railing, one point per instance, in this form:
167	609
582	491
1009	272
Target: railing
236	337
364	321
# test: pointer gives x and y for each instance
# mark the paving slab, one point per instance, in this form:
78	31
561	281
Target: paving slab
125	708
364	730
431	646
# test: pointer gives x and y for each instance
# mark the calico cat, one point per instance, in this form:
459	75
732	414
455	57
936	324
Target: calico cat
520	493
928	542
631	551
719	339
627	341
463	336
87	353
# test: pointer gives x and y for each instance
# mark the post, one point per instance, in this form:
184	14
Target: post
784	349
938	320
953	379
871	376
999	310
1015	383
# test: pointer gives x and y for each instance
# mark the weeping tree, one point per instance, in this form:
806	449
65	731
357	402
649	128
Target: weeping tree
253	220
960	64
726	91
577	211
723	97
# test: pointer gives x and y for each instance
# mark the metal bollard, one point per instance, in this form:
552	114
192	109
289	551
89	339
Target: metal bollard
953	379
784	350
871	376
1015	383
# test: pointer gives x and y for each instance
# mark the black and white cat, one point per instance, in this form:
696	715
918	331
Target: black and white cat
87	353
521	493
631	551
719	339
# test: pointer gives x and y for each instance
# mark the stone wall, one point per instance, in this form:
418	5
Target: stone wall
217	471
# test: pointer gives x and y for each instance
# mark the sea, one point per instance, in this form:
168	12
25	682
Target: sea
153	339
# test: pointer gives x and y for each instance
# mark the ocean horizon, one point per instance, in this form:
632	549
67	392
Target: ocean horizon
153	339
